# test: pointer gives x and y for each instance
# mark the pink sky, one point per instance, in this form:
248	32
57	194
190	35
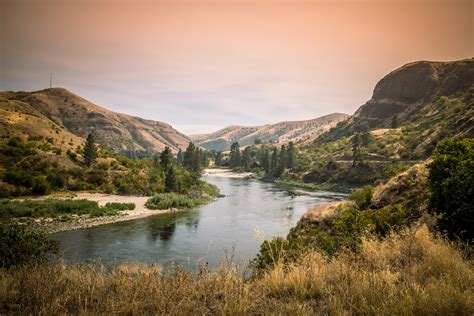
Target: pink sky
203	65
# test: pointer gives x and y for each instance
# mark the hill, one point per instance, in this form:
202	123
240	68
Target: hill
73	114
411	110
281	132
410	92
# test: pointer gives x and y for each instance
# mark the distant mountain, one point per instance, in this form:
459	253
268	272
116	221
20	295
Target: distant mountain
73	114
282	132
411	91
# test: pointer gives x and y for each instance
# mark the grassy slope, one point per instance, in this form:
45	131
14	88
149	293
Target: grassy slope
389	151
116	131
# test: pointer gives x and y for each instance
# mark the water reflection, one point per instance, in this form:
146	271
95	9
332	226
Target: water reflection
163	227
201	234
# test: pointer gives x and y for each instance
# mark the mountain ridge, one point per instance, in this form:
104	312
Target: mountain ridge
285	131
116	131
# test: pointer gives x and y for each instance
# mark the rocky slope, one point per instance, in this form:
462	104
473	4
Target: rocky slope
281	132
412	109
409	92
73	114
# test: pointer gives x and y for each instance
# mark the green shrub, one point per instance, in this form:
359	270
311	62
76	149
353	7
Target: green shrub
20	244
451	182
171	200
41	186
46	208
362	196
120	206
271	252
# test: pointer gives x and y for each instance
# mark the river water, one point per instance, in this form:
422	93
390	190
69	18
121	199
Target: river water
232	225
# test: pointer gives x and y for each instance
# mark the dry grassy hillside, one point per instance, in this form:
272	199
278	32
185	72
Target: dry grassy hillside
118	132
281	132
19	119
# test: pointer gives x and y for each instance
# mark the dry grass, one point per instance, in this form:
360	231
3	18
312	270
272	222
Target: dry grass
409	273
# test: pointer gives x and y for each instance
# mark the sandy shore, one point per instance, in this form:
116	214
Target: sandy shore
226	173
84	221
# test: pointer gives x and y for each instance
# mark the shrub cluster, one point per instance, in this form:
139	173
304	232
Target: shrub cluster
55	208
19	244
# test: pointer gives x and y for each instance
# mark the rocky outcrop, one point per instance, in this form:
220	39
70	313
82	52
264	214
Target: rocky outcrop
408	91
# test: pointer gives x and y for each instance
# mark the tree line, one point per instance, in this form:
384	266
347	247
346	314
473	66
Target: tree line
272	160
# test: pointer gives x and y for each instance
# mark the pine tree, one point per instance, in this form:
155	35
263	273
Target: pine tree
282	158
395	121
266	164
90	151
179	157
235	159
170	180
274	162
218	160
290	162
188	159
166	159
246	158
356	149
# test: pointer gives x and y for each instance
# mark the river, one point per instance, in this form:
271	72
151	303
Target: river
232	225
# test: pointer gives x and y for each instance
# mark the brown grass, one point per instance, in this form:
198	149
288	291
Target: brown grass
408	273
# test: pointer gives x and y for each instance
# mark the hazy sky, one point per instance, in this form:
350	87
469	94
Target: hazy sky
203	65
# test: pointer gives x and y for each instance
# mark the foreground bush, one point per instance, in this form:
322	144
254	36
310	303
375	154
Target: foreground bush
406	274
451	181
19	244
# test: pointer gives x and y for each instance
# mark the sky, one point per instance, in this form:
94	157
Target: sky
204	65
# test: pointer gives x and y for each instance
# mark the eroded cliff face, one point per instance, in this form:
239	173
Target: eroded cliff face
410	87
411	90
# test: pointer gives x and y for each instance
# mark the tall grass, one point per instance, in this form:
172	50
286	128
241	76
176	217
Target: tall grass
407	273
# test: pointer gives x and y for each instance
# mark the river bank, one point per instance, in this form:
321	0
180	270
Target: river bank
74	221
227	173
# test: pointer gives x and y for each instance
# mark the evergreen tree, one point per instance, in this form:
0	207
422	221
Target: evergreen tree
356	149
395	121
179	157
218	159
246	158
290	162
189	156
204	161
266	163
274	162
235	159
166	159
90	151
282	158
170	180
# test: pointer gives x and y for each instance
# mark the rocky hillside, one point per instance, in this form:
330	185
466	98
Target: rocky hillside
412	91
70	113
282	132
412	109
